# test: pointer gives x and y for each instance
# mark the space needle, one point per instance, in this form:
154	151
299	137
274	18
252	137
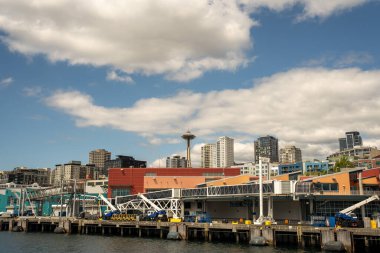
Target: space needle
188	136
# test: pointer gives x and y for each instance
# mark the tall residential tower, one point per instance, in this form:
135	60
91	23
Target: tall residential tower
225	152
266	146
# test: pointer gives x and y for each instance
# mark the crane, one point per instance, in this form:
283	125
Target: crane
159	214
345	217
114	210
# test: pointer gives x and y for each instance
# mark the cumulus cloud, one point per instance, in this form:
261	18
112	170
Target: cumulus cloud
114	76
310	107
178	39
6	82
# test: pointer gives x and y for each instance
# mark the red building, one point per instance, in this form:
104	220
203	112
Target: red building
126	181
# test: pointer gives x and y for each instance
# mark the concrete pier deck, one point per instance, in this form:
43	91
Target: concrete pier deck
353	239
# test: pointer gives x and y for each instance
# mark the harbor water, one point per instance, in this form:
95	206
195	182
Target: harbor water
55	243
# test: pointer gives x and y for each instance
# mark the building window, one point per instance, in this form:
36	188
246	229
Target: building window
120	192
329	187
150	174
187	205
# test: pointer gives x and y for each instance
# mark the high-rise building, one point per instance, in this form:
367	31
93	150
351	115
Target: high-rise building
176	161
225	152
290	154
353	139
74	170
266	146
123	161
98	157
23	175
208	156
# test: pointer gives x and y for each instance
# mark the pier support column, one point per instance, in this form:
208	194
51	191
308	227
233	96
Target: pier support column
161	234
67	226
268	234
300	239
24	225
237	238
345	238
121	231
195	233
103	232
139	232
254	232
326	236
11	224
182	230
86	228
1	225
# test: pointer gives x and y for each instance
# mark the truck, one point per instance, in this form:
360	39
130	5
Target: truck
346	217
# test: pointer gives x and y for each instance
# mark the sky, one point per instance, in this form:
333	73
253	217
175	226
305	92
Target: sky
131	76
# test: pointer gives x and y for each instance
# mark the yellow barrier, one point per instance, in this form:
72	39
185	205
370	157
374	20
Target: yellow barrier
248	222
373	224
175	220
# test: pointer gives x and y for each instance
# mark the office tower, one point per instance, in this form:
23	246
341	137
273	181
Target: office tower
290	154
225	152
176	161
352	140
266	146
123	161
208	156
98	157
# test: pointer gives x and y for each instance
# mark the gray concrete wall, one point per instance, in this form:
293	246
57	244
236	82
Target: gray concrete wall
222	209
286	209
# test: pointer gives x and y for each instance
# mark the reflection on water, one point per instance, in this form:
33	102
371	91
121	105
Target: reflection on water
54	243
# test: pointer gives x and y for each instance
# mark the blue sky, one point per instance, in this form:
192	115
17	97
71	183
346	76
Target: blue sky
131	76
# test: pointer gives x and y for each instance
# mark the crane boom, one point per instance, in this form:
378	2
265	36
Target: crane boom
112	207
361	203
155	207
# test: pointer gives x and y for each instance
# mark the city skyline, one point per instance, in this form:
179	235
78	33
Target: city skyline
302	71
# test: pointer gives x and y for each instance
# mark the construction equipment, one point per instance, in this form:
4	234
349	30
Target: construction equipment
346	217
108	214
157	214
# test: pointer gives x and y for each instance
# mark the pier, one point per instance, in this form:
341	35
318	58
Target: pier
353	239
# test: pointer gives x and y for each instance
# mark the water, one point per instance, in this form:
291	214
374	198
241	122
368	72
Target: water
56	243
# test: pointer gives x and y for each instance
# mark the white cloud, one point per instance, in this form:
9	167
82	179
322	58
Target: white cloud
114	76
354	58
34	91
6	82
311	107
347	59
311	8
178	39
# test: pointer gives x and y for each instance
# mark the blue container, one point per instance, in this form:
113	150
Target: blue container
332	221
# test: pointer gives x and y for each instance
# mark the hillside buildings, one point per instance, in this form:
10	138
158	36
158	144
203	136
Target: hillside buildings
26	176
73	170
266	146
176	161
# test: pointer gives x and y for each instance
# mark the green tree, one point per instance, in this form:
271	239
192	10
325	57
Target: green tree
343	162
